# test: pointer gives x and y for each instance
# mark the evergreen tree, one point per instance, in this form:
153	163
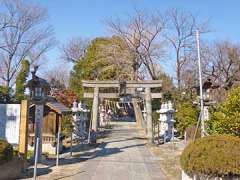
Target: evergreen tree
96	64
21	80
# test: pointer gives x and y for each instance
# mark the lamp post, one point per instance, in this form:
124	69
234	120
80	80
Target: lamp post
39	89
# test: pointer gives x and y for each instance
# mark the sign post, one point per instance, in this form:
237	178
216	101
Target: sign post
38	130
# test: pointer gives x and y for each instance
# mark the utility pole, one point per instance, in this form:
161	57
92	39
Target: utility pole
200	86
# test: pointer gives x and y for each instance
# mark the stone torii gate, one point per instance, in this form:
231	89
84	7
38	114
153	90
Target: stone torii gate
131	85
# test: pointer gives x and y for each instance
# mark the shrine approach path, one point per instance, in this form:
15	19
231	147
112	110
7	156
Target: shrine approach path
122	156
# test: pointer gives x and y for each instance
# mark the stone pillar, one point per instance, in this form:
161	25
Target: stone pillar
95	109
23	136
149	114
38	129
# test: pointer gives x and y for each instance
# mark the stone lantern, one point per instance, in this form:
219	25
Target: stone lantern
166	120
39	89
80	118
208	87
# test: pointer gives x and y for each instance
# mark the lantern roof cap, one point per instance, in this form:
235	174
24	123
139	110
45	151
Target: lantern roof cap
37	81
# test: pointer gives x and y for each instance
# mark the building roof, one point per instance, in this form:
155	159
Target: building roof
56	106
59	107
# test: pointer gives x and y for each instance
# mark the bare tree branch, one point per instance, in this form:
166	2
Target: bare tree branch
181	30
74	50
21	33
141	32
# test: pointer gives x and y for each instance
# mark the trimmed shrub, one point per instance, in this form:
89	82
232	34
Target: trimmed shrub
214	156
6	151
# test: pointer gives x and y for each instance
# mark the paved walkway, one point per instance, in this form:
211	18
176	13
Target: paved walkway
122	156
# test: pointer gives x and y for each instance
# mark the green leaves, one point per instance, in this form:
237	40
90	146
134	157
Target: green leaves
6	151
67	125
186	115
99	62
21	80
226	119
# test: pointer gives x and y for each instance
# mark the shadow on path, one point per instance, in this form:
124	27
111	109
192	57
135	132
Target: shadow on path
102	152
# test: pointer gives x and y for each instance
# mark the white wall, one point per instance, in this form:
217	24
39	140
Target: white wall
10	122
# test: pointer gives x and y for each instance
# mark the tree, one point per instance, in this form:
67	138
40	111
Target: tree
24	35
141	32
58	77
65	96
181	36
94	65
223	64
167	83
226	118
21	80
74	49
186	115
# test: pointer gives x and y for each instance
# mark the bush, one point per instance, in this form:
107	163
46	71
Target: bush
155	117
67	125
186	115
214	156
226	119
30	154
6	151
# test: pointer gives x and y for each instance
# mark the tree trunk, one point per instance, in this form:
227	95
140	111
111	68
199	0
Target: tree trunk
137	109
178	74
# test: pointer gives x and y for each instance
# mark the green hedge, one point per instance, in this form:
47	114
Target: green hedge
215	156
6	151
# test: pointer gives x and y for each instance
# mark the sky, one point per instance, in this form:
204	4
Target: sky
85	18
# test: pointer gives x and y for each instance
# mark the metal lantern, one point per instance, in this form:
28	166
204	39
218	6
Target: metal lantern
39	88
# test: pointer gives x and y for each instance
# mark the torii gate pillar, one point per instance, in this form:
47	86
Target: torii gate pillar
95	108
148	99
